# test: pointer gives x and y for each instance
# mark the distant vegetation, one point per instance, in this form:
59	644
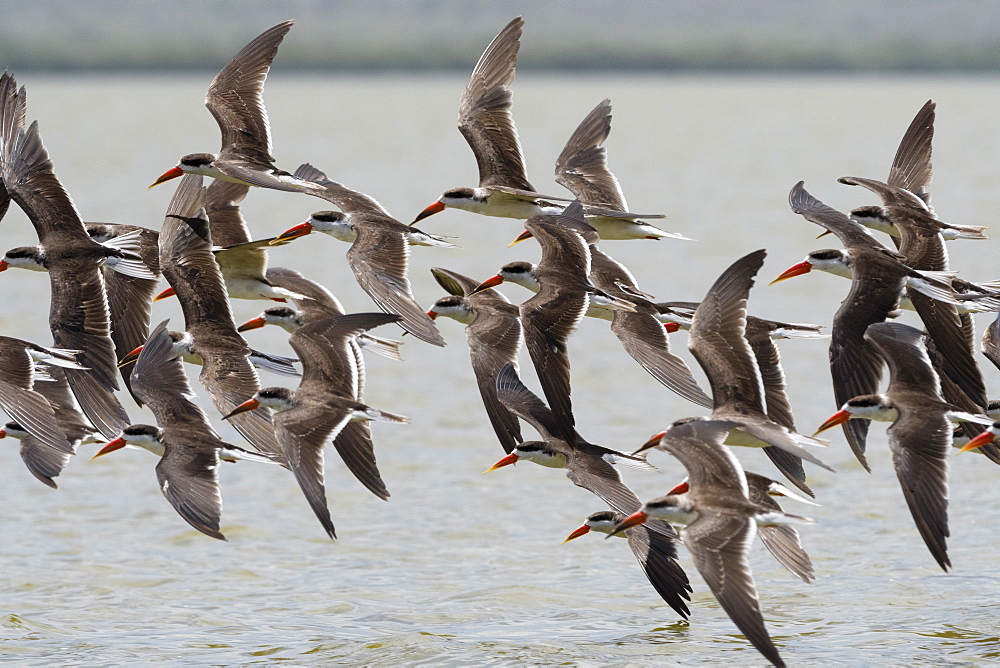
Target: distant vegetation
336	35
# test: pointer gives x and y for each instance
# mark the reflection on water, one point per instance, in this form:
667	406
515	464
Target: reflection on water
462	568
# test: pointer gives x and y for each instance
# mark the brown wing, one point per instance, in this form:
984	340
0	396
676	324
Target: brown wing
597	476
12	107
717	340
326	354
379	258
657	554
911	168
303	431
697	444
31	182
345	199
453	282
548	319
494	339
784	545
321	303
129	297
954	342
484	116
719	545
43	462
129	304
189	478
920	242
56	391
159	380
909	366
79	320
355	447
78	314
236	100
855	365
31	410
222	205
645	339
779	408
565	252
851	234
521	401
889	195
189	266
582	167
991	342
919	441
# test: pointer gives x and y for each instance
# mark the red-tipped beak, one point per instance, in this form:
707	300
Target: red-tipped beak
509	459
491	282
524	235
671	327
682	488
652	443
256	323
795	270
171	173
248	405
169	292
433	315
131	357
110	446
979	441
3	265
299	230
436	207
632	520
840	417
579	531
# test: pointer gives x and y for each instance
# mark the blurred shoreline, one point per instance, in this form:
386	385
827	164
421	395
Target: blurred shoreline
695	36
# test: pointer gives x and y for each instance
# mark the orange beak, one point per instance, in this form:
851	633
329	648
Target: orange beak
795	270
432	315
652	443
3	265
579	531
3	434
248	405
979	441
524	235
110	446
682	488
256	323
171	173
169	292
632	520
671	327
299	230
509	459
840	417
131	357
491	282
436	207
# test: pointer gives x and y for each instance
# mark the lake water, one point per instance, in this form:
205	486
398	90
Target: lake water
459	568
